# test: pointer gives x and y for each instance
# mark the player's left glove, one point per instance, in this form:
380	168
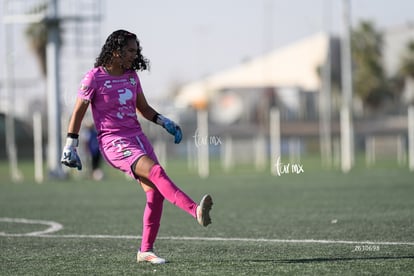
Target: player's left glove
70	156
170	126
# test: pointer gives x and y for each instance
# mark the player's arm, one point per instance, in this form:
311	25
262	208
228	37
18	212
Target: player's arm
150	114
81	106
70	156
144	108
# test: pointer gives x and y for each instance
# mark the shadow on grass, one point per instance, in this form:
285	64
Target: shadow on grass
320	260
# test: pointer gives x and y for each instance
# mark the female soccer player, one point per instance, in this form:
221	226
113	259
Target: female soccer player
113	90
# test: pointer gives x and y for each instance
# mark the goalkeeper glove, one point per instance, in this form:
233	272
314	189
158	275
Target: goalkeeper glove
170	126
70	156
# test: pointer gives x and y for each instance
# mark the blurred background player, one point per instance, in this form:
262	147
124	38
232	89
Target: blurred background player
113	90
94	153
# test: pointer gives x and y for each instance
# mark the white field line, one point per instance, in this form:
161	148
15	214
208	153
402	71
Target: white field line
229	239
54	227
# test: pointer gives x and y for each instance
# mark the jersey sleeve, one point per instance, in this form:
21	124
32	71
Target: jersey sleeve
87	87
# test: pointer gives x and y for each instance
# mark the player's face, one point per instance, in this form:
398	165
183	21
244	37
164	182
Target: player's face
129	54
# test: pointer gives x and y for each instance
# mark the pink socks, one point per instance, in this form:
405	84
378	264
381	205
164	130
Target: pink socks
155	199
151	219
171	192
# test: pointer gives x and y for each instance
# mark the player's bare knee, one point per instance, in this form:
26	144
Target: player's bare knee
142	166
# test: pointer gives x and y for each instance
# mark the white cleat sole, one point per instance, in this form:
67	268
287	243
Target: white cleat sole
203	210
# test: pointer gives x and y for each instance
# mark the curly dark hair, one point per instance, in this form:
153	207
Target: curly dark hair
115	42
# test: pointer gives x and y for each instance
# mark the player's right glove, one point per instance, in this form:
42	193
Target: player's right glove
70	156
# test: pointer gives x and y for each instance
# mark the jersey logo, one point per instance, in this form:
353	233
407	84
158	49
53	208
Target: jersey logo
124	95
132	81
84	87
108	84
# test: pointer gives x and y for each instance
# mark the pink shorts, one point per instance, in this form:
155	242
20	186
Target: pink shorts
122	152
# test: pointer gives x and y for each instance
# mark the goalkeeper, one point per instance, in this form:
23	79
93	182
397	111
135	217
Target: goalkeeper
113	90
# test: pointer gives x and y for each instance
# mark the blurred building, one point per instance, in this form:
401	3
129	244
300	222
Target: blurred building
239	99
396	40
289	78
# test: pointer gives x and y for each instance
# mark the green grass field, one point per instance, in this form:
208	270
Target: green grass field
318	222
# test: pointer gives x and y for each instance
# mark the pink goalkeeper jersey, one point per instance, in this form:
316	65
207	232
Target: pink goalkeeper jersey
113	102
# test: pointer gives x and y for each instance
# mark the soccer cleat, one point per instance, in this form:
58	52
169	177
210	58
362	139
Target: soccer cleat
203	210
149	256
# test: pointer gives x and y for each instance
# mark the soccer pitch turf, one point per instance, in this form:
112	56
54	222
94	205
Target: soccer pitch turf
318	222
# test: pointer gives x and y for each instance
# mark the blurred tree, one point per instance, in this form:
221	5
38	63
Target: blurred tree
407	61
335	73
36	34
370	82
405	72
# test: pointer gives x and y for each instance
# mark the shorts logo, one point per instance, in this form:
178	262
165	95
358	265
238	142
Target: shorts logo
121	147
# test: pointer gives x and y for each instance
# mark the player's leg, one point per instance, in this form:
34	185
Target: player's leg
153	209
97	173
150	223
152	216
145	167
